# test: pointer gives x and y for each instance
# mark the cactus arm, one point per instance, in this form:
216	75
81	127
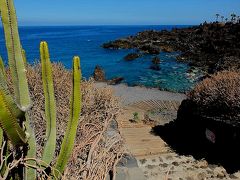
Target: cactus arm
17	113
15	57
69	138
30	173
50	104
10	124
7	103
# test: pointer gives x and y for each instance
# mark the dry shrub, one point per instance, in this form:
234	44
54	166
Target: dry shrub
218	96
98	147
62	89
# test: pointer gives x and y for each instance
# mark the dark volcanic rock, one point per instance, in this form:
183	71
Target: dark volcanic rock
115	81
156	60
155	64
167	48
132	56
155	67
150	49
99	74
118	44
209	46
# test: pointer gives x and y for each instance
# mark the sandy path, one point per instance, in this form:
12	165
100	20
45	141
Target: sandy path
131	95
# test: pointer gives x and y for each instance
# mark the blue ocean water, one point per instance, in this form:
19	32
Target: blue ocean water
86	41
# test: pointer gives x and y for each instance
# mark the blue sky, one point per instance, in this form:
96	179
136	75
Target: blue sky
121	12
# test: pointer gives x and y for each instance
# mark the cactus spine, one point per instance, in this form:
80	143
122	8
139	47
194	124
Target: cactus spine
50	104
75	110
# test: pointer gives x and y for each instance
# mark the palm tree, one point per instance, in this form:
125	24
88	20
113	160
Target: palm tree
226	19
217	15
233	15
222	17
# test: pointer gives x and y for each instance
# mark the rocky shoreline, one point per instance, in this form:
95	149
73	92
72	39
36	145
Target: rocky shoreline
212	47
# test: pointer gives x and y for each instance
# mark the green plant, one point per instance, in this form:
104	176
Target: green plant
75	103
135	116
50	104
14	116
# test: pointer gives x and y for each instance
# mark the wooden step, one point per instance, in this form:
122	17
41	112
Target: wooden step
138	137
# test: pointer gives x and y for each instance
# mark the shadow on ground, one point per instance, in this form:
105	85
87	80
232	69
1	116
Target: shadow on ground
187	136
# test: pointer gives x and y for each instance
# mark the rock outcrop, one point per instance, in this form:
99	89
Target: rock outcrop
115	81
156	60
99	74
132	56
209	46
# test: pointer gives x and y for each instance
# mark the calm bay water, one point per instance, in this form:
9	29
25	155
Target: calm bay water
86	41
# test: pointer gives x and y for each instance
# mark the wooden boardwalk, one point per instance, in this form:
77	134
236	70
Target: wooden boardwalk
139	139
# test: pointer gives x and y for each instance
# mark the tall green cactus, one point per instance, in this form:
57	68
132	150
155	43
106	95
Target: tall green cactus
18	73
15	57
50	104
14	116
75	110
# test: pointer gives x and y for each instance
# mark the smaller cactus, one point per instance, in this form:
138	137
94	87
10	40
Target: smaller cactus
50	104
75	110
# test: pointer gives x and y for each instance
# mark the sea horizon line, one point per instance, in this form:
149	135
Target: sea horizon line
76	25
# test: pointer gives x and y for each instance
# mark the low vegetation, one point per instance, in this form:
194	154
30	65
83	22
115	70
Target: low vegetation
218	95
135	117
